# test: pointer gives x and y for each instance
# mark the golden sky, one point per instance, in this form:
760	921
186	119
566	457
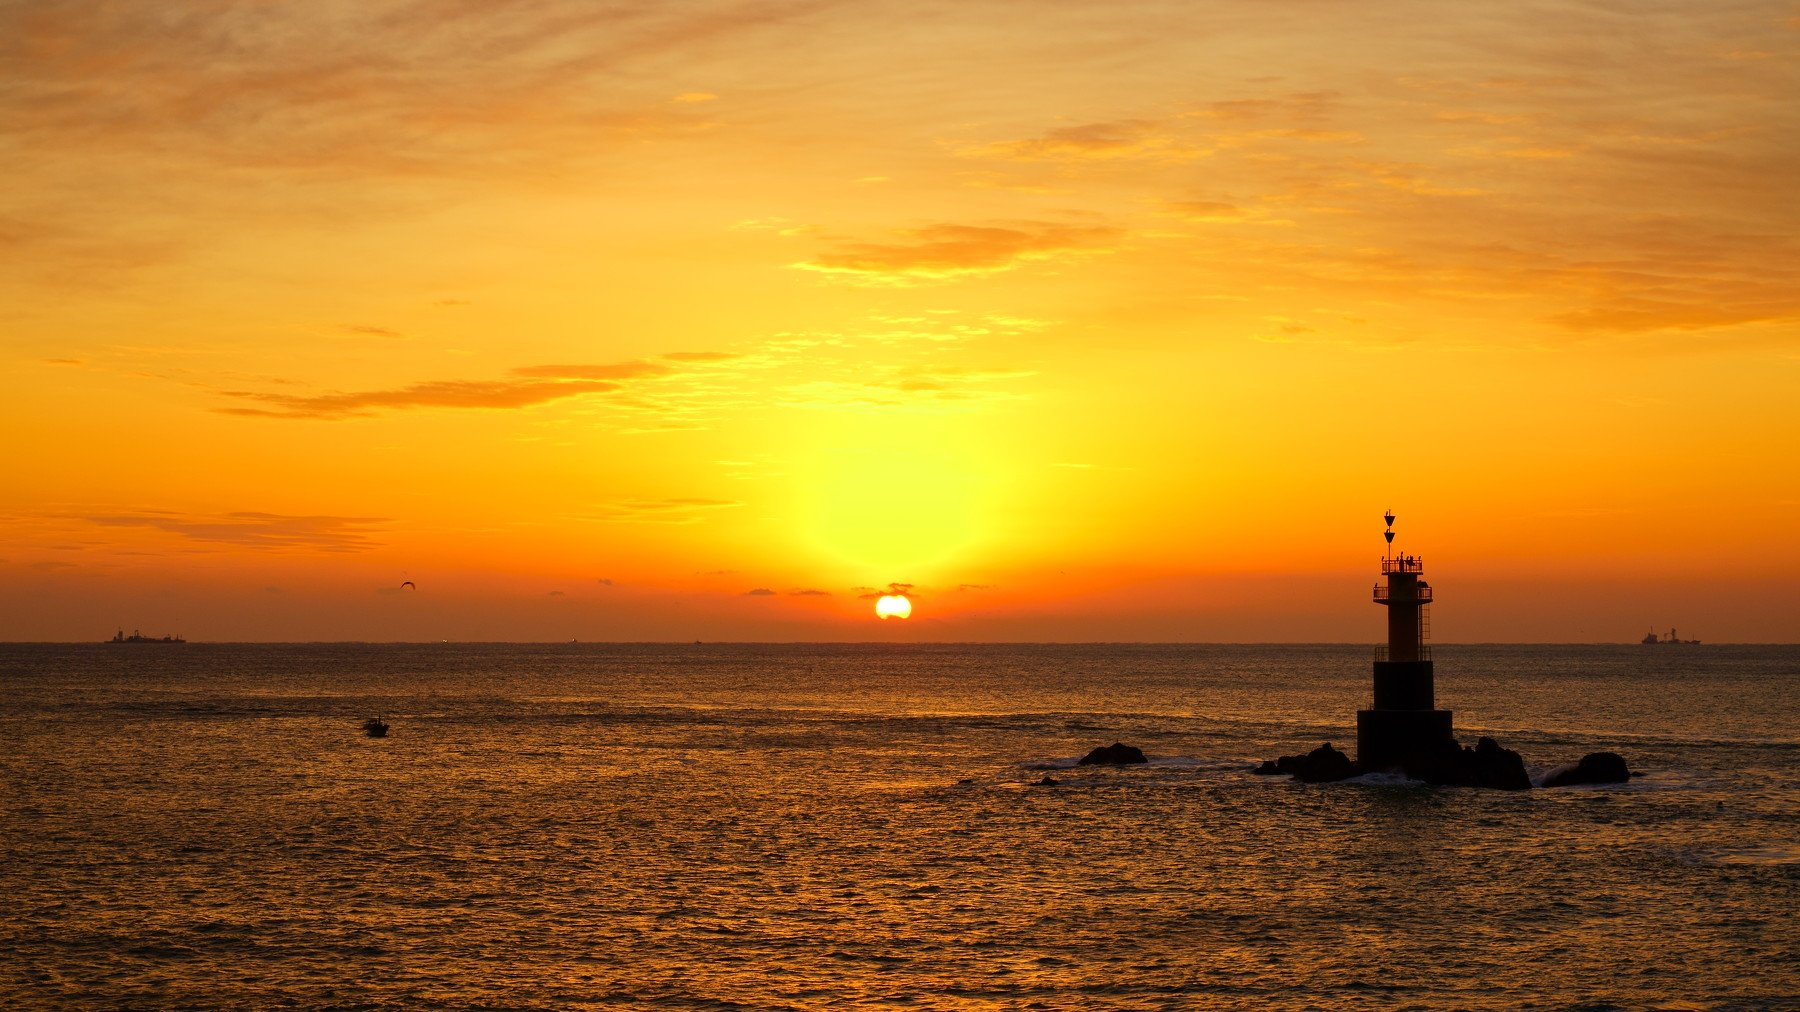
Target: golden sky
1121	320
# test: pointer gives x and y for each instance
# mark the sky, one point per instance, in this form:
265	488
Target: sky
1072	321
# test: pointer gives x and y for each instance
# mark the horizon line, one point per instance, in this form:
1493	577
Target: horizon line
874	642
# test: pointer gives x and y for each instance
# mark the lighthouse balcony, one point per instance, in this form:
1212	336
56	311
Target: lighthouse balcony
1403	564
1420	593
1422	652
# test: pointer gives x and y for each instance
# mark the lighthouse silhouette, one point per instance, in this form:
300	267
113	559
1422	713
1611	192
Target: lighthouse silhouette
1404	719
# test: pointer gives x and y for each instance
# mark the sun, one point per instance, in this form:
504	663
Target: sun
893	606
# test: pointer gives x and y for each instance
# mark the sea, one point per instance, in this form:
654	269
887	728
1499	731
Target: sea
743	826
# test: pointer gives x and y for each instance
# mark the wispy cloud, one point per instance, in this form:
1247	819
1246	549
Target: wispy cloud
1672	275
1208	210
1294	110
1194	133
130	123
947	383
527	386
272	531
370	331
437	394
407	89
660	511
609	371
916	388
1120	139
938	252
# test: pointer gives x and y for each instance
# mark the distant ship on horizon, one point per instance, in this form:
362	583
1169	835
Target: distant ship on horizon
1651	637
139	637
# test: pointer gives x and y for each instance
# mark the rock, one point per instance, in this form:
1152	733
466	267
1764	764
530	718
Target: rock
1268	768
1485	765
1322	765
1499	768
1116	754
1594	768
1445	764
1045	782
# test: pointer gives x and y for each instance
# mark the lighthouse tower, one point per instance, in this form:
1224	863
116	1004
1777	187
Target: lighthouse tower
1404	719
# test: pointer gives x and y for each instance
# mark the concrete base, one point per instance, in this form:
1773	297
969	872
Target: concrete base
1384	738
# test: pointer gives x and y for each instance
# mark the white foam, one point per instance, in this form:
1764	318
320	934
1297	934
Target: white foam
1386	778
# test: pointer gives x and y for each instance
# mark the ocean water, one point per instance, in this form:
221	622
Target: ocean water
855	826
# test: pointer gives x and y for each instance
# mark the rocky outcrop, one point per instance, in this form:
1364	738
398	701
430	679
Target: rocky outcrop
1594	768
1322	765
1485	765
1116	754
1447	765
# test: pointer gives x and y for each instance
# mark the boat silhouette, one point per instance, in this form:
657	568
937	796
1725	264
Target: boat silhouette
139	637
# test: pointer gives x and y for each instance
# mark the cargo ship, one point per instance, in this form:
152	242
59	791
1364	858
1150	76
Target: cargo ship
1651	637
138	637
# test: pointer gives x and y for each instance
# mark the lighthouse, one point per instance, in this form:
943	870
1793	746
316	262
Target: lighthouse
1403	730
1404	719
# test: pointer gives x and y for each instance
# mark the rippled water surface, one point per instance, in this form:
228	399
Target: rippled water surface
812	827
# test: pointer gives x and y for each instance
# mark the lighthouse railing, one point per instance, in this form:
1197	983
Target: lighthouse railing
1421	594
1423	650
1403	564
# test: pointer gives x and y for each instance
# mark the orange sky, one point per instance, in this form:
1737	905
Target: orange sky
1116	320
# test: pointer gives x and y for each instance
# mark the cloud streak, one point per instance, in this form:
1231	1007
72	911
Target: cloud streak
528	386
1121	139
1198	132
263	531
681	511
370	330
914	388
367	87
945	251
436	394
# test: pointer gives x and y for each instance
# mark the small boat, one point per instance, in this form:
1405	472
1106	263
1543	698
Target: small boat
375	727
1651	637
